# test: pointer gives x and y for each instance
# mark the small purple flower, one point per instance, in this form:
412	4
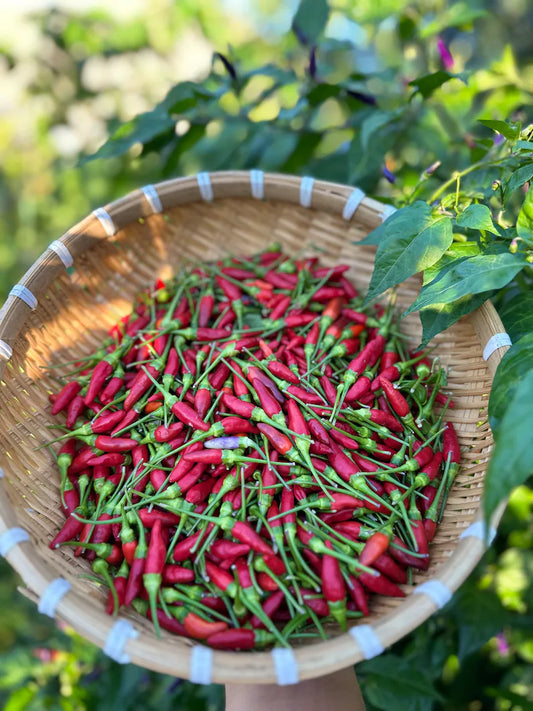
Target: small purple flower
224	443
498	139
389	175
445	54
502	644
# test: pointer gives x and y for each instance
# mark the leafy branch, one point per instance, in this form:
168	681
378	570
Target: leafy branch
460	180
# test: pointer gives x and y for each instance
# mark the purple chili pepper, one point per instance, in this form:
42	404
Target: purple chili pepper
360	96
225	443
388	174
502	644
432	168
445	55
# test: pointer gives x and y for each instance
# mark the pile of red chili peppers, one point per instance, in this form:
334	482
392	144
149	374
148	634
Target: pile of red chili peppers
250	454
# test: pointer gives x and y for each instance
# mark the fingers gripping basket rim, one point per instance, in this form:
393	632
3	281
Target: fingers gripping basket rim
347	209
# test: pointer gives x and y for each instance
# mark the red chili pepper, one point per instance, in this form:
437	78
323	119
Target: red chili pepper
378	583
165	434
270	606
333	587
358	595
239	386
188	416
375	546
379	417
268	403
115	444
451	447
240	638
280	308
102	371
70	529
278	440
129	418
135	579
429	472
120	581
396	400
168	623
74	410
65	396
202	402
109	459
153	569
387	565
198	628
150	516
205	308
360	388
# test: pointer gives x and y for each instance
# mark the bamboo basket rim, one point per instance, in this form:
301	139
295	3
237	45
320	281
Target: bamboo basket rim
196	662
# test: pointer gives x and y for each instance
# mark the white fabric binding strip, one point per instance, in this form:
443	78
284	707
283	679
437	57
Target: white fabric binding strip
25	294
306	191
367	640
153	199
5	350
352	203
499	340
118	636
52	596
285	665
436	590
105	219
62	252
257	182
204	183
387	211
12	537
201	671
478	529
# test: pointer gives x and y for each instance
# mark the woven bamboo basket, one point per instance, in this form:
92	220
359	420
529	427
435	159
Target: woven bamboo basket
61	315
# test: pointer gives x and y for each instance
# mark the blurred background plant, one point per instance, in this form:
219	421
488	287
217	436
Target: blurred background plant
369	93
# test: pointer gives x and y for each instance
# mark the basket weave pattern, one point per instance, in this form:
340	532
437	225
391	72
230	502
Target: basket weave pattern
71	319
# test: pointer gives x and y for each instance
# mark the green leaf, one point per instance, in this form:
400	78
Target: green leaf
310	19
511	463
373	124
439	317
508	130
428	83
458	14
518	178
472	275
479	615
141	129
517	315
406	254
524	223
394	682
523	146
457	251
516	363
409	220
477	217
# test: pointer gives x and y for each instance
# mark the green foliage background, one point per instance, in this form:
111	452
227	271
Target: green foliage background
71	80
